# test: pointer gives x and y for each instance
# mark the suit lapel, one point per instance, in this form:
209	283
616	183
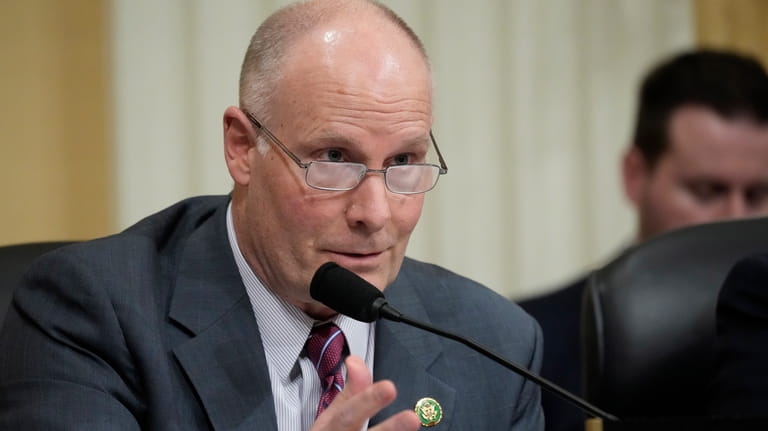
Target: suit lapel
405	356
224	360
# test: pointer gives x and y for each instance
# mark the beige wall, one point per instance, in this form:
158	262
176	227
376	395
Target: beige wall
55	155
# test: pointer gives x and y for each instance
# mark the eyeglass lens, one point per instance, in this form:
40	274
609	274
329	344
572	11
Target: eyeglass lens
346	176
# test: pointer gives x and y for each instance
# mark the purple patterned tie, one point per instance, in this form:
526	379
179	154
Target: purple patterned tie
327	348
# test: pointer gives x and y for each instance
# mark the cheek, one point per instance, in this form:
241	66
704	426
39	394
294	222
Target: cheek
407	211
667	197
280	191
672	206
309	214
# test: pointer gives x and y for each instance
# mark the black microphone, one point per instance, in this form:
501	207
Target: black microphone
347	293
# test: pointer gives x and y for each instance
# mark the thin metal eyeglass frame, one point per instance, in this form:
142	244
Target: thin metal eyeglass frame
443	167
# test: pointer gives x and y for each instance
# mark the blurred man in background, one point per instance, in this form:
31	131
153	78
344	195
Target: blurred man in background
699	154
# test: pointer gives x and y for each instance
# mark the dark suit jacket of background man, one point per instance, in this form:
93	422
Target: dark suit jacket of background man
559	314
152	329
740	383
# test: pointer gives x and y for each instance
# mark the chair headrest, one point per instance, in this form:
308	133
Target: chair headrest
648	319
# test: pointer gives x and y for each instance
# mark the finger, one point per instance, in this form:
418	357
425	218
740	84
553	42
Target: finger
406	420
350	412
358	375
359	400
358	378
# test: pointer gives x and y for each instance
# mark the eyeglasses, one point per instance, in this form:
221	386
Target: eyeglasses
340	176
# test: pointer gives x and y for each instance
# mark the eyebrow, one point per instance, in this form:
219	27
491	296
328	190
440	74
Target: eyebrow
334	139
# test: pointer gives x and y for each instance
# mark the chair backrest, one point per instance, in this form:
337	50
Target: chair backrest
14	261
648	319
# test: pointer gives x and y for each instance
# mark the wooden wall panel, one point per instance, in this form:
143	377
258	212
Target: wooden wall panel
734	24
56	166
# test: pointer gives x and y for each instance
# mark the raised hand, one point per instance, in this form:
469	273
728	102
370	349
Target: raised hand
361	399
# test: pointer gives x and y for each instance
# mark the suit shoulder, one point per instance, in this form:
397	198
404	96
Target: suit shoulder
158	230
439	281
452	295
558	301
184	215
140	249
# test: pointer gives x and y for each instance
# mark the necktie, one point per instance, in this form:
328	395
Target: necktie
327	348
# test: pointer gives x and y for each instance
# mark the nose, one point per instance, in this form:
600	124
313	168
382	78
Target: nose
737	207
369	204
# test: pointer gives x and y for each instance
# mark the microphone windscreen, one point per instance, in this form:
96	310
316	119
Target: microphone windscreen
345	292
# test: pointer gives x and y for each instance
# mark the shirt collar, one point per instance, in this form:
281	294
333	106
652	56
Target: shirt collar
283	327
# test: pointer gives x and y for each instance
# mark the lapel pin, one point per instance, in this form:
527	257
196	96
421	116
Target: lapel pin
429	411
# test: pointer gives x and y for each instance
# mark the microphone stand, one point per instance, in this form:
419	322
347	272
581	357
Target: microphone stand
389	313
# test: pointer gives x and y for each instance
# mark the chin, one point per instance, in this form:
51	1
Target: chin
318	311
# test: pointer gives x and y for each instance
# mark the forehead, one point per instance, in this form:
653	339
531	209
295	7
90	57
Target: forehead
700	141
367	65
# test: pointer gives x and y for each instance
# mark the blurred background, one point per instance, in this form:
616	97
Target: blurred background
111	110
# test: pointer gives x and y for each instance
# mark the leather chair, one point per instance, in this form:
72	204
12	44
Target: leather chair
14	261
648	319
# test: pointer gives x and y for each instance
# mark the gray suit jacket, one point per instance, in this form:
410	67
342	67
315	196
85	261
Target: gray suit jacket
152	329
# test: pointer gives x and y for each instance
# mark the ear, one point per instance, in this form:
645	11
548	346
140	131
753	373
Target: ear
635	174
237	145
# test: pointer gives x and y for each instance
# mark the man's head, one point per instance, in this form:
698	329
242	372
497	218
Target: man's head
700	149
335	80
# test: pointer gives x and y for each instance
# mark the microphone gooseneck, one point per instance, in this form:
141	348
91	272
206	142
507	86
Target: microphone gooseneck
347	293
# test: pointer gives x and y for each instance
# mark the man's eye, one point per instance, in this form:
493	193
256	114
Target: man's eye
334	155
401	159
705	192
757	197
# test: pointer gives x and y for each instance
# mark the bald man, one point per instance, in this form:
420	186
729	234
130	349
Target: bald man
199	317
